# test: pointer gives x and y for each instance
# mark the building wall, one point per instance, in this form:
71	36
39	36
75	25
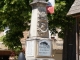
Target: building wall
57	46
57	49
58	56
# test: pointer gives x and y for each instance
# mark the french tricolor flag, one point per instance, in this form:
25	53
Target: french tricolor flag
50	6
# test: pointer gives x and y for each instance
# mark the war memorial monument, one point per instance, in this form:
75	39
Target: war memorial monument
38	45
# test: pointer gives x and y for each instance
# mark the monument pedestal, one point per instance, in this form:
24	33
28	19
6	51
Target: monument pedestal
41	59
39	48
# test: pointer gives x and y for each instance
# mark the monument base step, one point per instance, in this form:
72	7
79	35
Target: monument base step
40	59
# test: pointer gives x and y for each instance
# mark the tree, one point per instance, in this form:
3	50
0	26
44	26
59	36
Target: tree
16	15
60	18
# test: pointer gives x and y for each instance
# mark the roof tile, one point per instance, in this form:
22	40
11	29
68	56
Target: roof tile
75	8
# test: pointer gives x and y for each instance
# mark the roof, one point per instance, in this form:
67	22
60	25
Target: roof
5	52
75	8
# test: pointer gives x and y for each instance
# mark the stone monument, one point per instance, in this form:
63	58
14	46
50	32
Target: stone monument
38	45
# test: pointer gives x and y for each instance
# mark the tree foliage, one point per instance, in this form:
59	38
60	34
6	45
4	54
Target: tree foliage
16	15
59	18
